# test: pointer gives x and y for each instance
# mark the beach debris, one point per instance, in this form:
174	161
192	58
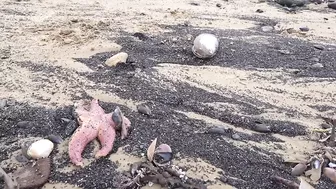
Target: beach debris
316	171
34	174
40	149
305	185
55	139
328	134
144	109
93	121
9	182
151	150
205	46
116	59
145	173
330	173
162	155
286	182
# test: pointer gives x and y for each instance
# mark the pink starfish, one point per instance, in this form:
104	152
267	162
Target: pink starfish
93	123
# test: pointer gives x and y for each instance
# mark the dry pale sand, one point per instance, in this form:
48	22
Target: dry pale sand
53	32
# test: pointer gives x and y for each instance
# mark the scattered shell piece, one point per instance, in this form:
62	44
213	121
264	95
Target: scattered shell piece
205	45
332	165
55	139
299	169
304	184
40	149
162	155
144	109
151	150
315	172
33	175
116	59
330	173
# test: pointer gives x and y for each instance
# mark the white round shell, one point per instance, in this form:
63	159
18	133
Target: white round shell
40	149
205	45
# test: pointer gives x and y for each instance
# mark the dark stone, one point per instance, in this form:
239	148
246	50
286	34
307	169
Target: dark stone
332	5
292	3
24	124
55	139
259	11
140	36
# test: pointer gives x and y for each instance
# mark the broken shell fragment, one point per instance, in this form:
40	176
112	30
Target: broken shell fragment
205	45
163	155
40	149
151	150
299	169
330	173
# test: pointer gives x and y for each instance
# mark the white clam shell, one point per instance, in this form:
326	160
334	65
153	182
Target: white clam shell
40	149
205	45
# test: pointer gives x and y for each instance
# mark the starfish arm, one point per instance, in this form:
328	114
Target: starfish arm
79	140
106	136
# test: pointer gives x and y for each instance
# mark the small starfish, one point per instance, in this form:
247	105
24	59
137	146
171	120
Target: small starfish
94	122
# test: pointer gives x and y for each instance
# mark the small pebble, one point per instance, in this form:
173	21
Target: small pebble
314	59
304	29
259	11
287	52
319	47
260	127
236	136
217	130
23	124
140	36
65	120
3	103
317	65
218	5
144	109
55	139
267	28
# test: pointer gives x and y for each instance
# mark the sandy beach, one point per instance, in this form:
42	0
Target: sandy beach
275	65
